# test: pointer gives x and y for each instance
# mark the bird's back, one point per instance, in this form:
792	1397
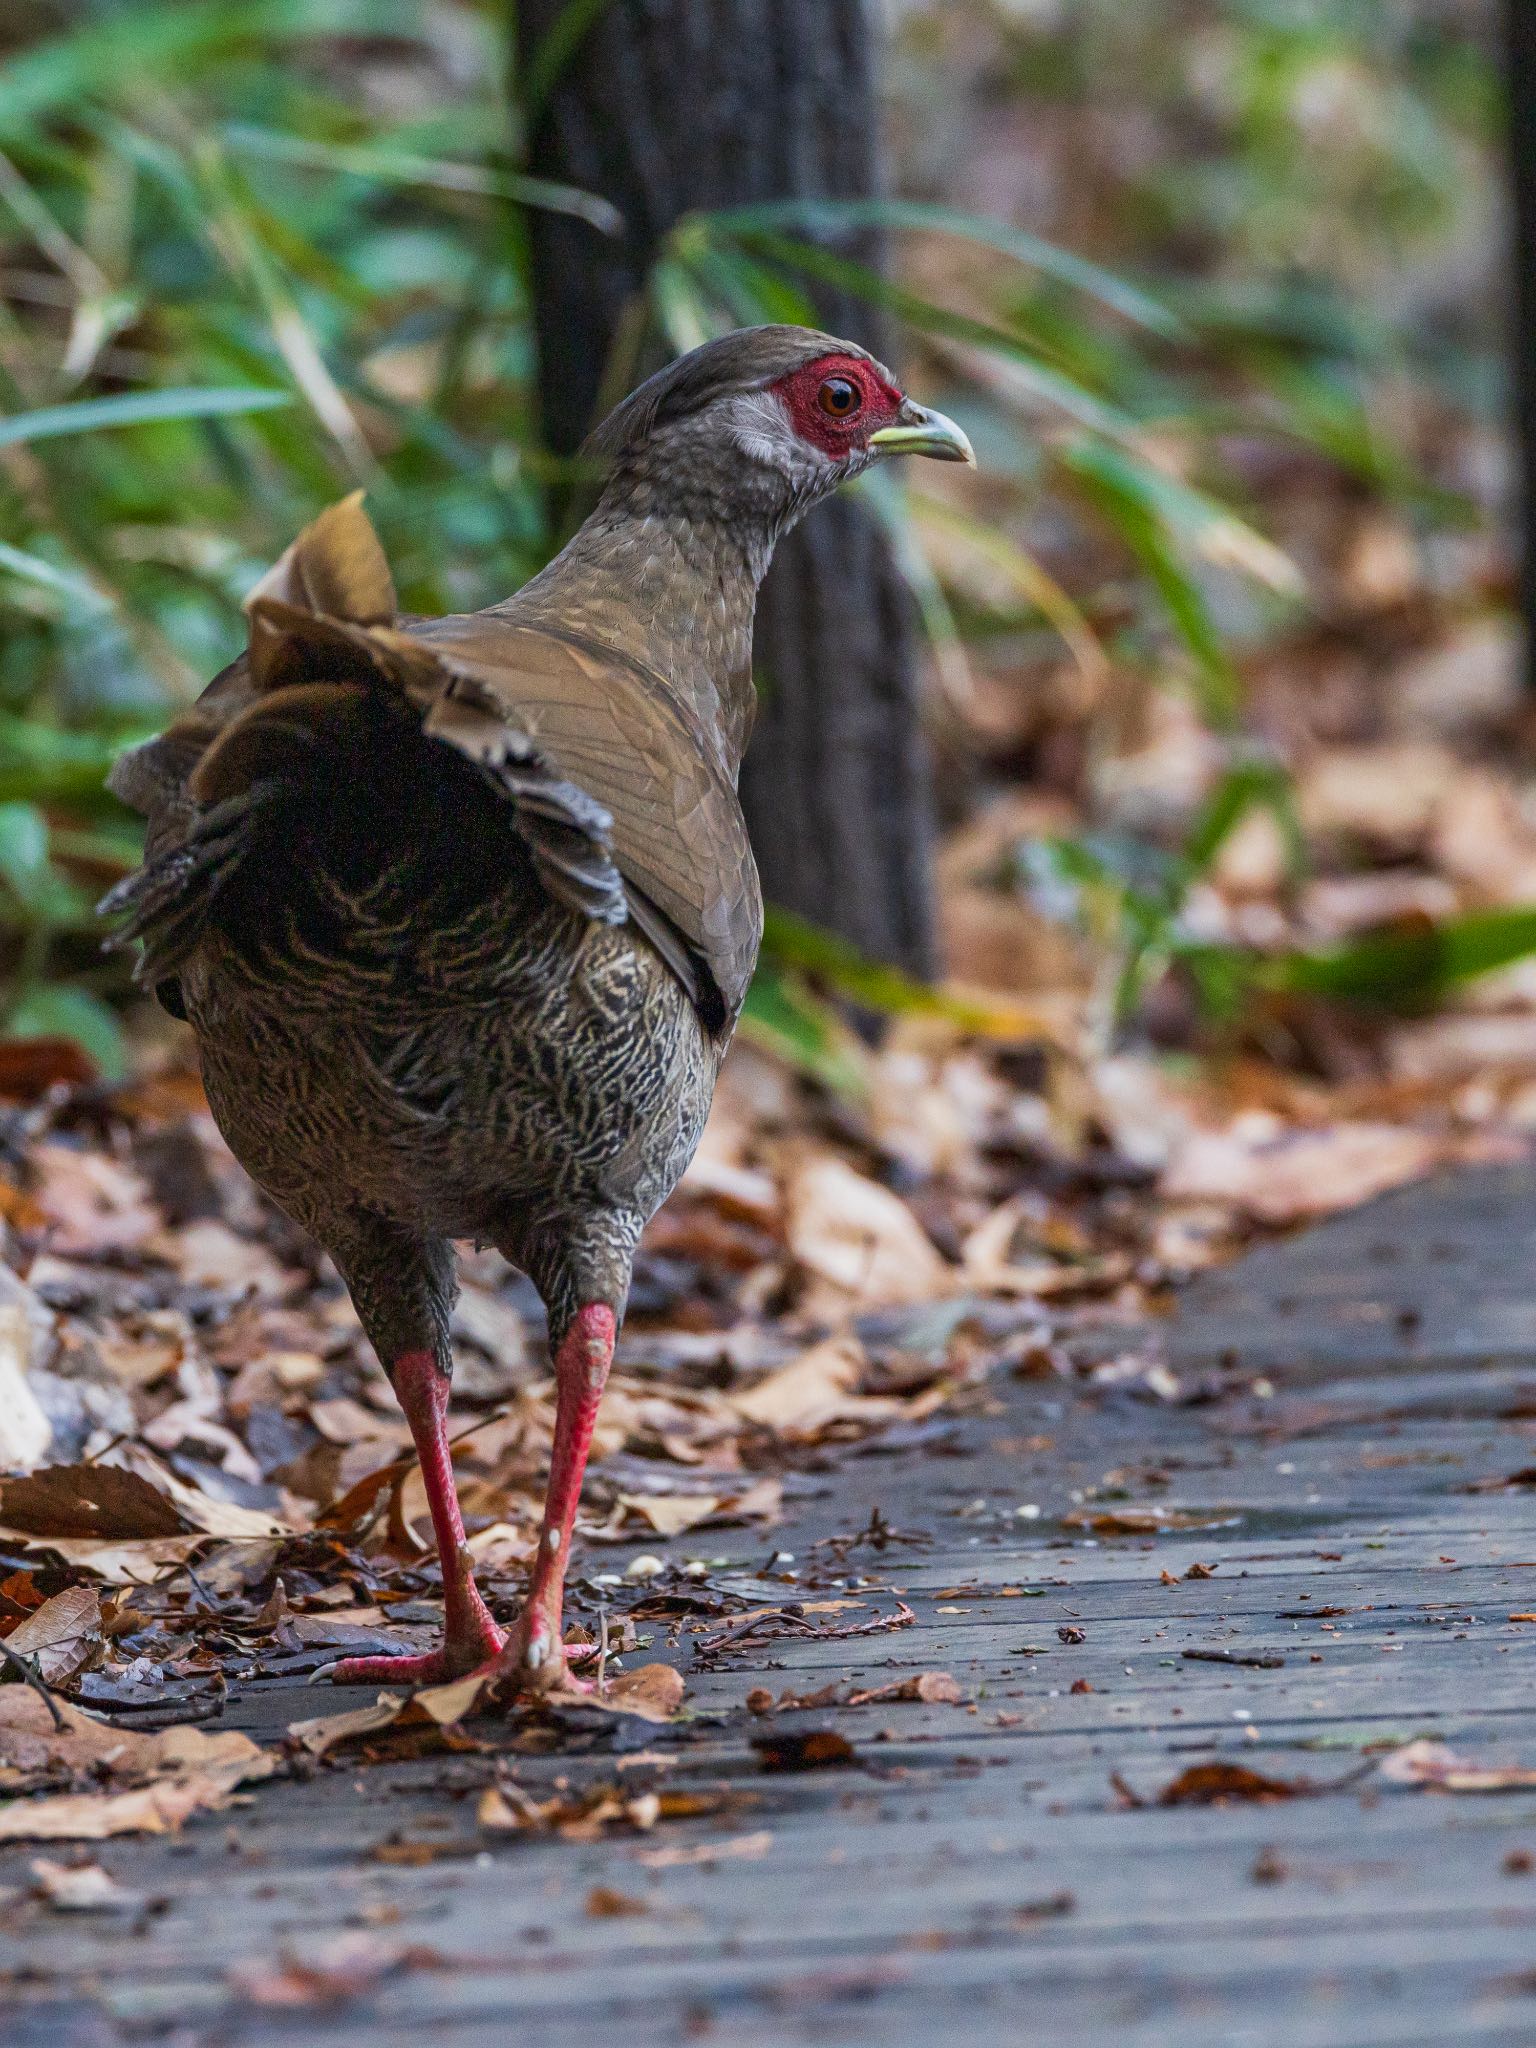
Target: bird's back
460	909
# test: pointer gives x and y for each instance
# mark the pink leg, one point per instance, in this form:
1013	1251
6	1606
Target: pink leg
534	1657
470	1636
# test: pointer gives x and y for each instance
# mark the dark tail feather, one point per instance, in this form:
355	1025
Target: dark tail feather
166	904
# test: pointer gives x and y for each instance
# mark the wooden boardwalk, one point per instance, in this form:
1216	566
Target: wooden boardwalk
1001	1869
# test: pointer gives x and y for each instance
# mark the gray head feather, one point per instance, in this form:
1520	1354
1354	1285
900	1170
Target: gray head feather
746	359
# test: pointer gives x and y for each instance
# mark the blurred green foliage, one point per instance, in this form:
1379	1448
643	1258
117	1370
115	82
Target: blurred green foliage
256	252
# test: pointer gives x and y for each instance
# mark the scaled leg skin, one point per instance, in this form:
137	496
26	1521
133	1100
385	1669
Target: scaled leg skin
534	1659
470	1635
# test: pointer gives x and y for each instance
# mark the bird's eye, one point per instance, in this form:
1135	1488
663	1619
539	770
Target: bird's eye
839	398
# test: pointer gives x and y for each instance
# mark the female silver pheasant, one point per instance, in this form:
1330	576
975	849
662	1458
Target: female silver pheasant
462	910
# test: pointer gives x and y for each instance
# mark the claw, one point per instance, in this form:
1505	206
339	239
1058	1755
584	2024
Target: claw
324	1670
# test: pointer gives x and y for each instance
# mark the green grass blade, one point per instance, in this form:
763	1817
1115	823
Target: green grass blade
401	167
1394	969
134	409
829	216
562	40
1112	489
33	569
1040	379
132	47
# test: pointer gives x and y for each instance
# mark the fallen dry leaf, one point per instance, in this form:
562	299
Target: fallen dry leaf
95	1816
1217	1784
208	1253
82	1888
857	1235
812	1749
604	1903
91	1201
340	1969
100	1501
25	1431
651	1692
802	1398
1137	1521
735	1849
61	1637
1278	1174
29	1067
670	1514
1436	1764
503	1815
580	1816
324	1732
171	1774
935	1688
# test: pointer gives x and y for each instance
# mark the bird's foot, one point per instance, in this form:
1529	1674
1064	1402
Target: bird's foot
534	1662
477	1645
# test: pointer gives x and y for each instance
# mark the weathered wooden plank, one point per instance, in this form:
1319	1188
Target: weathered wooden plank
919	1895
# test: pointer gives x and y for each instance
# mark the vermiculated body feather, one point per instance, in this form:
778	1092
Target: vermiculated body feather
462	910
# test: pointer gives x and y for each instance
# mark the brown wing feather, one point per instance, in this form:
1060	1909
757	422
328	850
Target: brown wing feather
608	769
617	730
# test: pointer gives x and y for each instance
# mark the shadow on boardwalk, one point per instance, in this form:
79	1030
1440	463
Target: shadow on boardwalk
1318	1527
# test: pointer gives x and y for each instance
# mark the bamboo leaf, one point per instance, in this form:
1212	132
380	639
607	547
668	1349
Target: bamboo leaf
889	503
134	409
1115	489
831	216
1035	581
794	941
1208	528
1040	379
1412	964
55	1012
121	50
400	167
33	569
783	1017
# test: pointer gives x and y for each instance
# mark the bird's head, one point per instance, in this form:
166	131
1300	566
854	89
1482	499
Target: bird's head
756	426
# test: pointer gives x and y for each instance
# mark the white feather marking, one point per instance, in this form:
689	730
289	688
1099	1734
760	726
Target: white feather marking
760	426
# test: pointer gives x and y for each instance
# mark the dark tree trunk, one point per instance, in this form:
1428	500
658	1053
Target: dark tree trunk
674	106
1520	45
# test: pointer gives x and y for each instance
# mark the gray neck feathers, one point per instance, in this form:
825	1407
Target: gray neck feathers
668	565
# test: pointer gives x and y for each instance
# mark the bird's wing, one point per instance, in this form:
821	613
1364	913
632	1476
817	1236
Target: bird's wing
619	732
624	803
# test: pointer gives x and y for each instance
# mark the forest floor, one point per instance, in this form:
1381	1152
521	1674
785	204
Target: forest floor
1186	1705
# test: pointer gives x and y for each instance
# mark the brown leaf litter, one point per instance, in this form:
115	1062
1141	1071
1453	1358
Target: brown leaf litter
153	1782
930	1688
1437	1767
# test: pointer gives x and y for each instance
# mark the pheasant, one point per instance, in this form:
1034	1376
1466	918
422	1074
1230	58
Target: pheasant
462	910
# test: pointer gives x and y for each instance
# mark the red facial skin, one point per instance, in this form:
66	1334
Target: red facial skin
800	392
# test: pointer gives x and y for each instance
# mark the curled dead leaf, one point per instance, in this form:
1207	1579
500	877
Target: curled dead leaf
169	1775
815	1390
82	1888
1220	1784
62	1637
809	1749
735	1849
1437	1765
857	1235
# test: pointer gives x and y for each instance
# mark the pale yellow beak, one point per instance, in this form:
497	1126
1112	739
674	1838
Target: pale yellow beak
919	431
